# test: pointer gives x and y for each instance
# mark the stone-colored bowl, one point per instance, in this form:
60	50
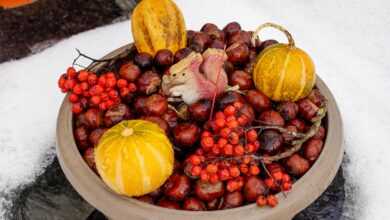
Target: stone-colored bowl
307	189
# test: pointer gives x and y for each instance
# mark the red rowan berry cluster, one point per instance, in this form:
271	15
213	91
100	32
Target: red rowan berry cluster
88	89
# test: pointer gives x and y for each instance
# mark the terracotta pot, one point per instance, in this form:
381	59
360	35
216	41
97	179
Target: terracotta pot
307	189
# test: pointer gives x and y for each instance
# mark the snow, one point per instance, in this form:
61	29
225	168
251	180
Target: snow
346	39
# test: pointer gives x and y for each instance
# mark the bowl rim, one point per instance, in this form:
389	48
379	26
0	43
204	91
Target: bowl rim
115	206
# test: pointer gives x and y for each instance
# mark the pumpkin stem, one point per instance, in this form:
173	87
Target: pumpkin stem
290	39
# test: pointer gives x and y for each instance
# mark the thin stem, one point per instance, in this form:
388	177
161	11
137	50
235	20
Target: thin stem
290	39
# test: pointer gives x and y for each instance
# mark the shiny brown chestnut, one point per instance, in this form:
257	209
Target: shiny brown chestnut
148	82
200	111
297	165
258	100
312	149
177	187
271	141
207	191
156	104
164	58
143	60
253	188
232	200
116	115
238	53
186	134
272	118
129	71
242	79
193	204
95	136
288	110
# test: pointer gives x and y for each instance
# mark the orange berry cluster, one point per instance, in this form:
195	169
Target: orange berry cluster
87	89
228	138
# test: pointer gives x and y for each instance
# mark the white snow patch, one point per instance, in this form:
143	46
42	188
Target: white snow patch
348	41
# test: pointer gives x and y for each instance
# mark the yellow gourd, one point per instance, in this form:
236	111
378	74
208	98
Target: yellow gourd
156	25
283	72
134	157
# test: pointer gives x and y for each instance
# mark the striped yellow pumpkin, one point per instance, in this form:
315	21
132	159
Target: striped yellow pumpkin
134	157
284	72
158	24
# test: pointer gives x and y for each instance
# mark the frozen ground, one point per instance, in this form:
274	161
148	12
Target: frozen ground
348	41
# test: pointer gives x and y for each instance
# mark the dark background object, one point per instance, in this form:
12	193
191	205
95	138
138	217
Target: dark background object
31	28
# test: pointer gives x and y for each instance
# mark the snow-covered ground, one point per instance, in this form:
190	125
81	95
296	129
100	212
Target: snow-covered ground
348	41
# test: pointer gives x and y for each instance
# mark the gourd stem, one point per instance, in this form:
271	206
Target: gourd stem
276	26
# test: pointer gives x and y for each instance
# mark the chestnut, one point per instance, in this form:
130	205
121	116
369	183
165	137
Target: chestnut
242	79
243	37
156	104
95	136
201	39
316	97
190	36
320	133
116	115
272	118
93	118
229	67
218	44
148	82
232	200
181	54
193	204
312	149
271	141
229	98
238	53
200	111
299	124
168	204
232	28
307	109
80	120
209	27
297	165
253	188
266	44
288	110
163	58
146	199
213	204
81	136
170	117
157	120
156	193
207	191
143	60
258	100
89	158
140	105
248	111
177	187
186	134
129	71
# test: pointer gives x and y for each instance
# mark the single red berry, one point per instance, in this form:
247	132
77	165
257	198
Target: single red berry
211	168
204	176
251	135
103	106
261	201
61	81
219	115
113	94
71	72
234	171
277	175
132	87
286	186
69	84
121	83
272	200
230	118
195	170
215	150
110	103
96	90
110	82
232	186
222	142
110	75
228	149
84	86
232	124
73	98
246	160
254	170
214	178
206	134
124	91
286	178
207	142
269	182
77	89
225	132
76	108
224	174
220	122
250	148
92	79
229	110
102	81
242	120
83	76
239	150
95	100
195	160
104	96
234	138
